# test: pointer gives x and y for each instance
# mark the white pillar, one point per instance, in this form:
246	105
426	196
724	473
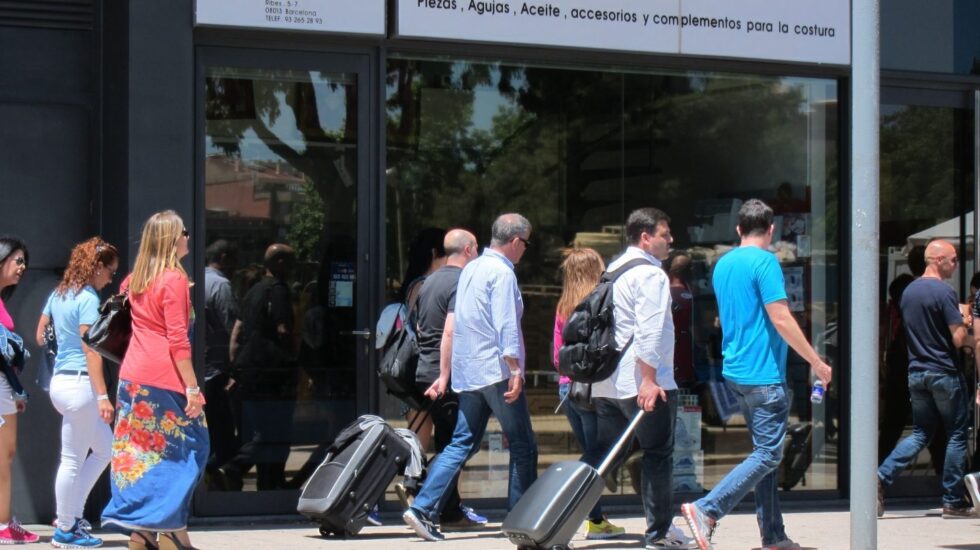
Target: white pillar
864	287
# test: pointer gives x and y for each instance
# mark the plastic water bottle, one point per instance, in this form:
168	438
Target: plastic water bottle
816	396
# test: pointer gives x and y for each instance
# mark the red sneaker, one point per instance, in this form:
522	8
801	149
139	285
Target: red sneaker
13	533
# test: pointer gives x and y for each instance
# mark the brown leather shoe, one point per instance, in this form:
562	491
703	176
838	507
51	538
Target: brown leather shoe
957	512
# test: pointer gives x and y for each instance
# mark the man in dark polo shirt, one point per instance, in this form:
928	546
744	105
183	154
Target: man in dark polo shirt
437	299
935	330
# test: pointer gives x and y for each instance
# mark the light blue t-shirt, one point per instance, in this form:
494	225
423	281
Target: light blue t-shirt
745	280
67	313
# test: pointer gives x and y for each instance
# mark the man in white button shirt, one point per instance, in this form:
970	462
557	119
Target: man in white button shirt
644	378
487	373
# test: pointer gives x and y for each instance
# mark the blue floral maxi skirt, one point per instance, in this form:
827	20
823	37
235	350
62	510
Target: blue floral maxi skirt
158	457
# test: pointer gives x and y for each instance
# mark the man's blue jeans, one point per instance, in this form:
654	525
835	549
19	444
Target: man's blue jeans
656	436
584	426
475	408
766	412
936	397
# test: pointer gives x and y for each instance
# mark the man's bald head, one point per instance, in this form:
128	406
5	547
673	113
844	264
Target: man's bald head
940	259
457	240
939	249
278	259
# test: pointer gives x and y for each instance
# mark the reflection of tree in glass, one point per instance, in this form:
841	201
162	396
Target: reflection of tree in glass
575	150
306	224
918	170
255	101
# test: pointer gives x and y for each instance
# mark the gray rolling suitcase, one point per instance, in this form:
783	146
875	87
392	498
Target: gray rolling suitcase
358	467
555	506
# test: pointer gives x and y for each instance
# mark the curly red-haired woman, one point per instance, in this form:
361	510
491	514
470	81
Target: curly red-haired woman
78	387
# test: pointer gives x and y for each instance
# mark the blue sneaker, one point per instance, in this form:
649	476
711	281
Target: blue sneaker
472	515
374	517
77	537
422	526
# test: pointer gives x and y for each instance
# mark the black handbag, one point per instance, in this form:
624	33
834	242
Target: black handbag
580	393
109	335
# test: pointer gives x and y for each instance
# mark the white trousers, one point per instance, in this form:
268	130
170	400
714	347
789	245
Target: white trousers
82	430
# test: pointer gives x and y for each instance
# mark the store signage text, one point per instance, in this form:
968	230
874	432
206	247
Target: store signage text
808	31
336	16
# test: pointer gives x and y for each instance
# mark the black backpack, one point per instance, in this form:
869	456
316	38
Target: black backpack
400	358
588	352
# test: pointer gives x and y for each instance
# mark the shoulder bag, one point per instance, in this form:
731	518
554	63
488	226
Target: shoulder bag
109	335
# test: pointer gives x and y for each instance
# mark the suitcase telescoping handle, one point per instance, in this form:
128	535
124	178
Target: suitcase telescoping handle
623	441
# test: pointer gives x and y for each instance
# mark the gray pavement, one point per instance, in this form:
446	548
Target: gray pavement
899	529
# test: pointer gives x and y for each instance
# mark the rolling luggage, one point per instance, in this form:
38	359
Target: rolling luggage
555	506
359	465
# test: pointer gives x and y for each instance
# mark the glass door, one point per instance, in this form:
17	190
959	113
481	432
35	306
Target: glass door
927	192
284	171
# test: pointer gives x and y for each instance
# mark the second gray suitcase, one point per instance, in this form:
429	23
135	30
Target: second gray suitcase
553	508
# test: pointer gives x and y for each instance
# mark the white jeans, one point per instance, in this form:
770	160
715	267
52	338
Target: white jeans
81	430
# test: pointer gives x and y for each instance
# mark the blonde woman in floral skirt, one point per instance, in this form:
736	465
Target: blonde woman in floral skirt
160	444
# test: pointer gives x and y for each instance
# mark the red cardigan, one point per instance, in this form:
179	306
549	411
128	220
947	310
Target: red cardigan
161	315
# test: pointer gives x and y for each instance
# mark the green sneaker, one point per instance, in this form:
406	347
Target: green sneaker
602	530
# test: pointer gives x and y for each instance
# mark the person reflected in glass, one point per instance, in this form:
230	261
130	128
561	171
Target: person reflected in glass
581	270
220	314
160	443
682	311
262	350
78	386
13	399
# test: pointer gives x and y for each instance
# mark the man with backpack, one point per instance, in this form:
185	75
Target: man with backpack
644	375
437	301
487	373
756	325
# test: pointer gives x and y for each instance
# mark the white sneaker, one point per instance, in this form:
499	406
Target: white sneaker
675	539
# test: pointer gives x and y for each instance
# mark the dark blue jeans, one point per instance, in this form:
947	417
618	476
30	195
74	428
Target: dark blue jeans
584	426
475	408
936	397
766	412
656	436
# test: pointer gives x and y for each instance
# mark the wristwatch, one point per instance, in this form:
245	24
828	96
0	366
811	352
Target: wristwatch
515	372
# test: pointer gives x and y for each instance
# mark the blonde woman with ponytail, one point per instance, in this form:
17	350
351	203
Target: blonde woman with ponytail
160	443
581	270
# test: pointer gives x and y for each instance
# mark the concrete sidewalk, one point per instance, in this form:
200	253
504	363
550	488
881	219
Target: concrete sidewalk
899	530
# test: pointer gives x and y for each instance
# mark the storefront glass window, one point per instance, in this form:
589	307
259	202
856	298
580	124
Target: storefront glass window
575	151
280	195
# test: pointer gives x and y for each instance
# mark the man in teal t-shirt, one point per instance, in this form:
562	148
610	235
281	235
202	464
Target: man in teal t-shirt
756	325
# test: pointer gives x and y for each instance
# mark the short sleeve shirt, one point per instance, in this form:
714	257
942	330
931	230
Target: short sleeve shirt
68	312
929	307
745	280
437	299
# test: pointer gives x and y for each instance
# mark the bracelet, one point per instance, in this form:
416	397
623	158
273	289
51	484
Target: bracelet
515	372
102	397
192	390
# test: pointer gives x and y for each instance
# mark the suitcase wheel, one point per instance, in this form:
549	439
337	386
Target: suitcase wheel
325	531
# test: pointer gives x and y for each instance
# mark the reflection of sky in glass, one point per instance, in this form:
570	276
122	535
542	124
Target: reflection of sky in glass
331	113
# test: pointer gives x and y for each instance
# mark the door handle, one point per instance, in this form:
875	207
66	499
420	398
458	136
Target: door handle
366	333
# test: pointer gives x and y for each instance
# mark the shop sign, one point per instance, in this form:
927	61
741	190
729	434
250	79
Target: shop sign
807	31
334	16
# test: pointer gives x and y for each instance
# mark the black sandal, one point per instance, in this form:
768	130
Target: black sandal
146	544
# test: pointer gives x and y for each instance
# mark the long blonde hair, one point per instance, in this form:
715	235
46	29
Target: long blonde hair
158	250
582	268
